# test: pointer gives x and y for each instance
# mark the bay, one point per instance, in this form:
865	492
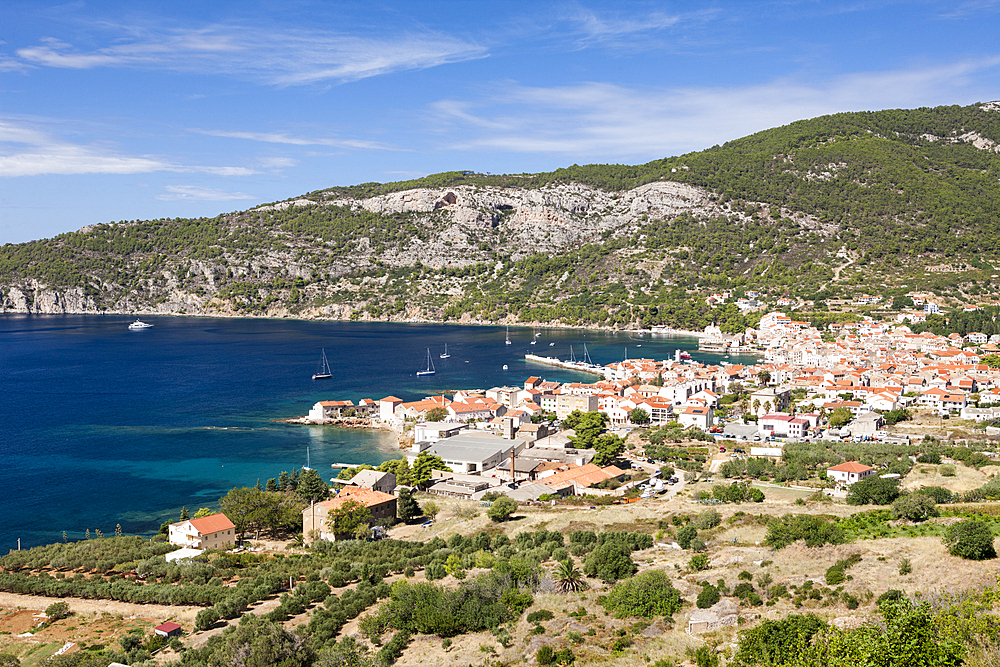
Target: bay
105	426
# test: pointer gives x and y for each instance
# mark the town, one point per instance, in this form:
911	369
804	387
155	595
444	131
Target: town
852	382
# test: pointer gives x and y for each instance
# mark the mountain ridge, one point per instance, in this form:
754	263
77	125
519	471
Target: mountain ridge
884	202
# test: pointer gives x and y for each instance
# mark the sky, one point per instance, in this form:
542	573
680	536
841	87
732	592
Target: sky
143	110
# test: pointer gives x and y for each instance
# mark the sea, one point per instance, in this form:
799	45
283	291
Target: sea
106	428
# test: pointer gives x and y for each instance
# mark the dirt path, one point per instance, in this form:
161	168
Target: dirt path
81	606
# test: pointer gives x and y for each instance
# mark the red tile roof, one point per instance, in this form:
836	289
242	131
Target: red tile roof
851	466
213	523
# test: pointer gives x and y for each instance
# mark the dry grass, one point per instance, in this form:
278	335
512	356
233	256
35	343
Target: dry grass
965	478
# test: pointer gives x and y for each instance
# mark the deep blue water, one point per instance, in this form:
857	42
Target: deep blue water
102	425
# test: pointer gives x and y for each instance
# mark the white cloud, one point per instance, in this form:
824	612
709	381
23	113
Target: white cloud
603	121
283	138
198	193
289	57
27	151
600	27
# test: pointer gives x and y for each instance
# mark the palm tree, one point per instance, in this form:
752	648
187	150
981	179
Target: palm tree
756	405
568	579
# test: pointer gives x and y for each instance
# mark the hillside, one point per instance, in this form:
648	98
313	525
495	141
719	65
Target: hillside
884	203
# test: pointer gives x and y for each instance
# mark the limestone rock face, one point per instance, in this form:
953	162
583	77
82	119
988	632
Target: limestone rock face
37	298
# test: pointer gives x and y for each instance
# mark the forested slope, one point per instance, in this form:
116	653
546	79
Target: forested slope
887	202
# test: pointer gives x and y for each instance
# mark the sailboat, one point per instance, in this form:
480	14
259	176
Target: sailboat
324	369
508	334
306	467
445	355
430	365
587	361
534	336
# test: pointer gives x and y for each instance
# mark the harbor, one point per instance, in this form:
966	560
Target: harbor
570	365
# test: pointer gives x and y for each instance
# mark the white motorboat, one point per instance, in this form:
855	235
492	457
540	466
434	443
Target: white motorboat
139	324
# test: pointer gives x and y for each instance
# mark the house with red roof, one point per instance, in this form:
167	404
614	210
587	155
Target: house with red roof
850	472
381	506
214	531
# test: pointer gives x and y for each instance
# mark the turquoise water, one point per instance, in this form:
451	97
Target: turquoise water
103	425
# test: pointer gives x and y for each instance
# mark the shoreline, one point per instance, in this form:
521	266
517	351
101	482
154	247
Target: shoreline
367	320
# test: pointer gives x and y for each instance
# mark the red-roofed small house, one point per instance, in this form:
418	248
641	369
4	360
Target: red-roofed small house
850	472
215	531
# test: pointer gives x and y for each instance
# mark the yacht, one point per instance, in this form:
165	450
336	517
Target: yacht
139	324
430	365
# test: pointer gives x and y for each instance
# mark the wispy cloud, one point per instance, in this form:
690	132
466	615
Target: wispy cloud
28	151
284	138
198	193
598	26
11	65
274	56
606	121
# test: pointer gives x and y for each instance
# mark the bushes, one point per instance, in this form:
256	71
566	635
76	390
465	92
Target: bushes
972	540
57	611
540	615
685	535
646	595
483	603
815	530
547	655
708	596
940	494
915	507
101	554
610	562
737	492
698	562
873	491
707	520
835	573
777	642
501	509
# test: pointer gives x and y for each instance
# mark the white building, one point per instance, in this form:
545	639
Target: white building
850	472
215	531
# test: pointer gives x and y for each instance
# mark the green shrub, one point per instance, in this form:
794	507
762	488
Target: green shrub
873	490
57	611
685	536
940	494
971	539
905	567
915	507
815	530
501	509
645	595
610	562
777	642
708	596
707	520
698	562
540	615
947	470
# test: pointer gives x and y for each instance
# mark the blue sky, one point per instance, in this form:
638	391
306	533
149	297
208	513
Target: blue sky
139	110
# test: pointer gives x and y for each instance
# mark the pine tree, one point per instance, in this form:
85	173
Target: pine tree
184	514
283	481
311	486
407	507
272	485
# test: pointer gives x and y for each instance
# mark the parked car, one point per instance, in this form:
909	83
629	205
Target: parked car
722	450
